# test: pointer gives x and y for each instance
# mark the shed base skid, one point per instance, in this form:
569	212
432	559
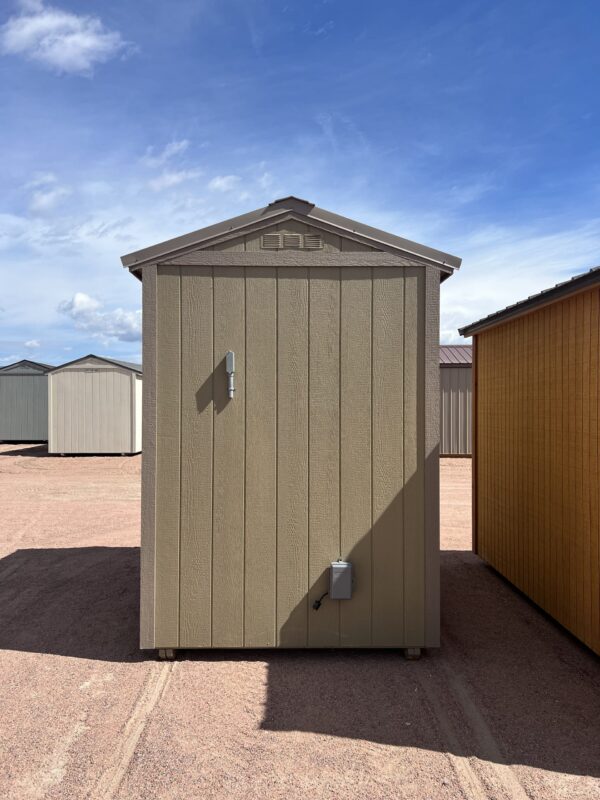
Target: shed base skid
166	654
412	653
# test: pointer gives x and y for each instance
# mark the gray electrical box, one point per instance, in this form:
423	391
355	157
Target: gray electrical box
340	580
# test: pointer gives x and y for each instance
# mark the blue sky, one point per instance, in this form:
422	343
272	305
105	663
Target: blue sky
468	126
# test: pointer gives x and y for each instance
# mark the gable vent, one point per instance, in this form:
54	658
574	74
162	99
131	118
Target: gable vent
292	240
312	241
271	241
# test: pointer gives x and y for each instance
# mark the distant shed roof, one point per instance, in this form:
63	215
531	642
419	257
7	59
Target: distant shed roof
45	367
455	355
576	284
126	364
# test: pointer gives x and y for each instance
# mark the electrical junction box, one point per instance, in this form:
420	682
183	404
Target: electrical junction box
340	580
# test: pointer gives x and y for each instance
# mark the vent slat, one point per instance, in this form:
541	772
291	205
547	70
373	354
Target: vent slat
292	240
271	241
312	241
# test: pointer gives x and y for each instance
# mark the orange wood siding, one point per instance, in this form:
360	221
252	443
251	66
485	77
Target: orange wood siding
536	487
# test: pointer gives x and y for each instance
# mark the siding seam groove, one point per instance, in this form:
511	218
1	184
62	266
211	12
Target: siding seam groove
372	455
212	477
308	404
180	464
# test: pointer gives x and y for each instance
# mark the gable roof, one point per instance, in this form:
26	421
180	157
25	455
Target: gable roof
279	211
125	364
576	284
43	367
455	355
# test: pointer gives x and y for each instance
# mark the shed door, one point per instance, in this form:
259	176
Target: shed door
315	458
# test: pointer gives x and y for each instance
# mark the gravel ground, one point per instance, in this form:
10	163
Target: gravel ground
508	708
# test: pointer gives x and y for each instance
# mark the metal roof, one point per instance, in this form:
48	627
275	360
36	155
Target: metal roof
455	355
126	364
277	211
46	367
576	284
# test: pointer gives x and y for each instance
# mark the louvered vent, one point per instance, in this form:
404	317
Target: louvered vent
271	241
312	241
292	240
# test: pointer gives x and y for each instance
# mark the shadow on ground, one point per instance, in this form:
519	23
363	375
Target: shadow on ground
507	686
33	449
79	601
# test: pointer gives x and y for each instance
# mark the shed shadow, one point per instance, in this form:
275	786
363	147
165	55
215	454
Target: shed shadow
81	602
214	390
31	449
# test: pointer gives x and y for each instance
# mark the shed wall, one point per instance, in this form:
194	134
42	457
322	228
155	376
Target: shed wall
455	411
537	459
326	452
24	406
92	410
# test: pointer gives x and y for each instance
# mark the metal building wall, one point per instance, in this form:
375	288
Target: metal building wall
455	411
23	405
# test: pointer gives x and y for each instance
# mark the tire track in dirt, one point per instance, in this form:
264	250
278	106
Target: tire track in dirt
448	683
151	694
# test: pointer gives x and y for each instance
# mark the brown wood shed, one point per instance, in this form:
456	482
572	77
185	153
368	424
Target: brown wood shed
311	472
536	449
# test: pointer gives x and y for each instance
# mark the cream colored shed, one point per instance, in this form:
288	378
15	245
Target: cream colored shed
24	402
95	406
291	435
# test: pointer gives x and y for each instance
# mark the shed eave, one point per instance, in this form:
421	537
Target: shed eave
289	208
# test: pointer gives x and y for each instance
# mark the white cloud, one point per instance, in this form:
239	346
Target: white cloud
168	179
107	326
32	344
60	40
41	179
224	183
174	148
46	200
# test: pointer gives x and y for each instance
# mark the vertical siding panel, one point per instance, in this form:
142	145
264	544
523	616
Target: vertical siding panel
388	455
292	457
573	460
584	314
196	456
324	446
414	461
229	449
168	458
148	510
261	458
594	474
355	451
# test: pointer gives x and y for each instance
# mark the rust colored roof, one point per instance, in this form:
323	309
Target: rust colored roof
453	355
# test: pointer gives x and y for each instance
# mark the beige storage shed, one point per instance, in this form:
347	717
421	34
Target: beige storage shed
24	402
536	449
455	399
95	407
290	479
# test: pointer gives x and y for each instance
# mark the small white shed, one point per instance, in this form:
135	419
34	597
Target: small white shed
95	406
24	402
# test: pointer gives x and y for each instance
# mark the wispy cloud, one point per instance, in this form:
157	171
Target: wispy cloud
224	183
8	359
60	40
88	315
32	344
153	159
170	178
45	200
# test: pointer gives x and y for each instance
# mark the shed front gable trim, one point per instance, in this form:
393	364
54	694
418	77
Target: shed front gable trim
280	211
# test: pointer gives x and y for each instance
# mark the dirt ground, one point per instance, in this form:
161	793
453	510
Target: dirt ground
509	707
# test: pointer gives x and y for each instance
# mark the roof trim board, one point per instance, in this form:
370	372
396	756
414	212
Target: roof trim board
123	364
278	211
579	283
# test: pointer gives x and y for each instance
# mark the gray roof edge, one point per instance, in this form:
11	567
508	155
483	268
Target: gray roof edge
46	367
577	283
288	206
124	364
